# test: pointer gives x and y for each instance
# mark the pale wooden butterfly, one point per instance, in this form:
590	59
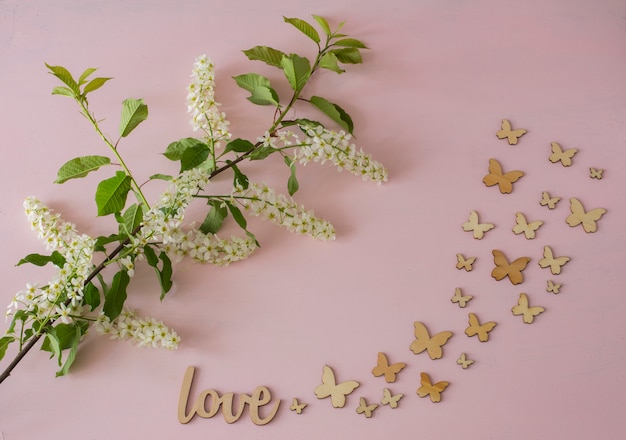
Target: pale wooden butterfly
523	226
522	308
579	216
511	135
336	391
560	155
554	263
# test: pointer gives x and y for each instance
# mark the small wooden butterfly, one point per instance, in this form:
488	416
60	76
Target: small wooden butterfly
475	328
503	180
430	389
464	263
522	226
553	287
460	299
365	409
579	216
522	308
423	341
548	201
389	371
511	135
505	269
560	155
554	263
478	229
336	391
297	407
390	399
595	173
463	361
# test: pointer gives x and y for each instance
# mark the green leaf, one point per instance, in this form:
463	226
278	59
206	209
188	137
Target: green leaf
52	345
238	216
134	112
95	84
41	260
83	77
323	23
132	217
165	275
329	61
214	218
102	240
292	182
91	295
350	42
165	177
72	354
239	146
240	179
249	81
4	344
305	28
262	153
266	54
116	296
66	78
175	150
65	91
333	111
111	194
80	167
63	335
194	156
297	70
264	96
349	55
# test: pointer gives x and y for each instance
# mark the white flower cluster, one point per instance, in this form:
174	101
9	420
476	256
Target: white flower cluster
146	332
201	104
210	248
49	301
262	201
321	145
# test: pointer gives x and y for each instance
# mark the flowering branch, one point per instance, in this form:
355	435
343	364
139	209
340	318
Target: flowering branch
78	297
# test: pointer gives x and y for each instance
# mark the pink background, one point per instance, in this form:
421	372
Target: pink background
440	76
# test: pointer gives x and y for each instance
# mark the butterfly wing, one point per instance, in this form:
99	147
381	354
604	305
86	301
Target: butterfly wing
495	173
435	346
422	338
516	268
502	265
505	129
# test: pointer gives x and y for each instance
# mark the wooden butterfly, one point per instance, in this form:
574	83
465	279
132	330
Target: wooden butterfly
330	388
475	328
581	217
522	225
553	287
548	201
550	261
511	135
423	341
478	229
297	407
504	269
503	180
559	155
463	263
364	408
463	361
460	299
522	308
389	371
595	173
390	399
430	389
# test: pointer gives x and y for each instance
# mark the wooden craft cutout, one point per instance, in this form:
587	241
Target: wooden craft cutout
390	399
364	408
522	308
475	328
554	263
504	269
579	216
423	341
463	361
511	135
465	263
296	406
260	397
560	155
504	181
459	299
548	201
522	226
553	287
595	173
478	229
389	371
430	389
330	388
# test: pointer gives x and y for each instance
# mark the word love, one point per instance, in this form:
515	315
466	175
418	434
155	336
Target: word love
209	401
